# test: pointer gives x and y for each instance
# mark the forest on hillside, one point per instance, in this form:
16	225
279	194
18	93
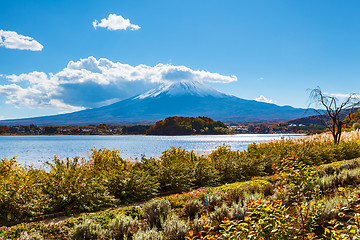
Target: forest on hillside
187	126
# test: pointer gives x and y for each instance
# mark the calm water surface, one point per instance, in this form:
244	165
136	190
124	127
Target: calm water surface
37	149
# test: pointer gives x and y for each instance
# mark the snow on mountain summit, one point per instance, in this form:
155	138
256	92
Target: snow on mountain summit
193	88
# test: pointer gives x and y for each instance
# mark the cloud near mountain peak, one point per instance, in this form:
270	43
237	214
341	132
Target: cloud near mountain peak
92	82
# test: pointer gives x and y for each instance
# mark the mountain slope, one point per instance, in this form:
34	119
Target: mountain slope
182	98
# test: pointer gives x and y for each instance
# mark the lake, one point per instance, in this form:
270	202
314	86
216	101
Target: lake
38	149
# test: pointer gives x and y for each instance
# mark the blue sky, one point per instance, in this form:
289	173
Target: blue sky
274	49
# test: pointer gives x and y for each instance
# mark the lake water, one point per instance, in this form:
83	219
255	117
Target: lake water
37	149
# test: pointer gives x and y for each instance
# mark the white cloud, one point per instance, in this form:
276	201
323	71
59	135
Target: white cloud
114	22
91	83
13	40
264	99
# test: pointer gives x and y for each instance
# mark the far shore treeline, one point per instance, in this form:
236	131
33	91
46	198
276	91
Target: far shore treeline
114	129
180	126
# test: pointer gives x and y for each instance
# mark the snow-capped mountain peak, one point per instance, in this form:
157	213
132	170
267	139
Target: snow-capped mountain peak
192	88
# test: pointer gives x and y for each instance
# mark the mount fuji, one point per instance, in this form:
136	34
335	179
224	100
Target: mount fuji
182	98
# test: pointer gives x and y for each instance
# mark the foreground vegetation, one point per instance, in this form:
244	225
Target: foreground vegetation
275	190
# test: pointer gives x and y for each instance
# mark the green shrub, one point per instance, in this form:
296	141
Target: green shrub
87	230
348	175
204	171
174	171
214	199
106	161
352	164
174	228
31	236
268	220
199	224
156	211
238	211
226	162
328	208
235	195
253	188
149	165
8	167
220	213
329	170
150	234
249	197
348	150
326	182
123	227
20	191
133	211
133	185
267	189
192	207
71	185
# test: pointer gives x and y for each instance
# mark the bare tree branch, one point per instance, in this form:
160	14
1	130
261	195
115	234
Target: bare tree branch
330	106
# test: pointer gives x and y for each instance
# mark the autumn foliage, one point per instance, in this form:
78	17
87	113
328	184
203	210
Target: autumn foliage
187	126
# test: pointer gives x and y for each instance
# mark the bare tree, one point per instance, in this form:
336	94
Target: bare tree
338	112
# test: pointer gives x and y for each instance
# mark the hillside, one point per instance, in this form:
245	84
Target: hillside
318	121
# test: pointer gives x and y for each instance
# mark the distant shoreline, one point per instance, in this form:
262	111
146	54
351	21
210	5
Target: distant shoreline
296	134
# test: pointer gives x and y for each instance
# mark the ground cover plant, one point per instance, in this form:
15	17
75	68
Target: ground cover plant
289	194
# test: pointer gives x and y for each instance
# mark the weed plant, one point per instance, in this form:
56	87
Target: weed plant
174	228
156	211
192	207
87	230
149	234
31	236
122	227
